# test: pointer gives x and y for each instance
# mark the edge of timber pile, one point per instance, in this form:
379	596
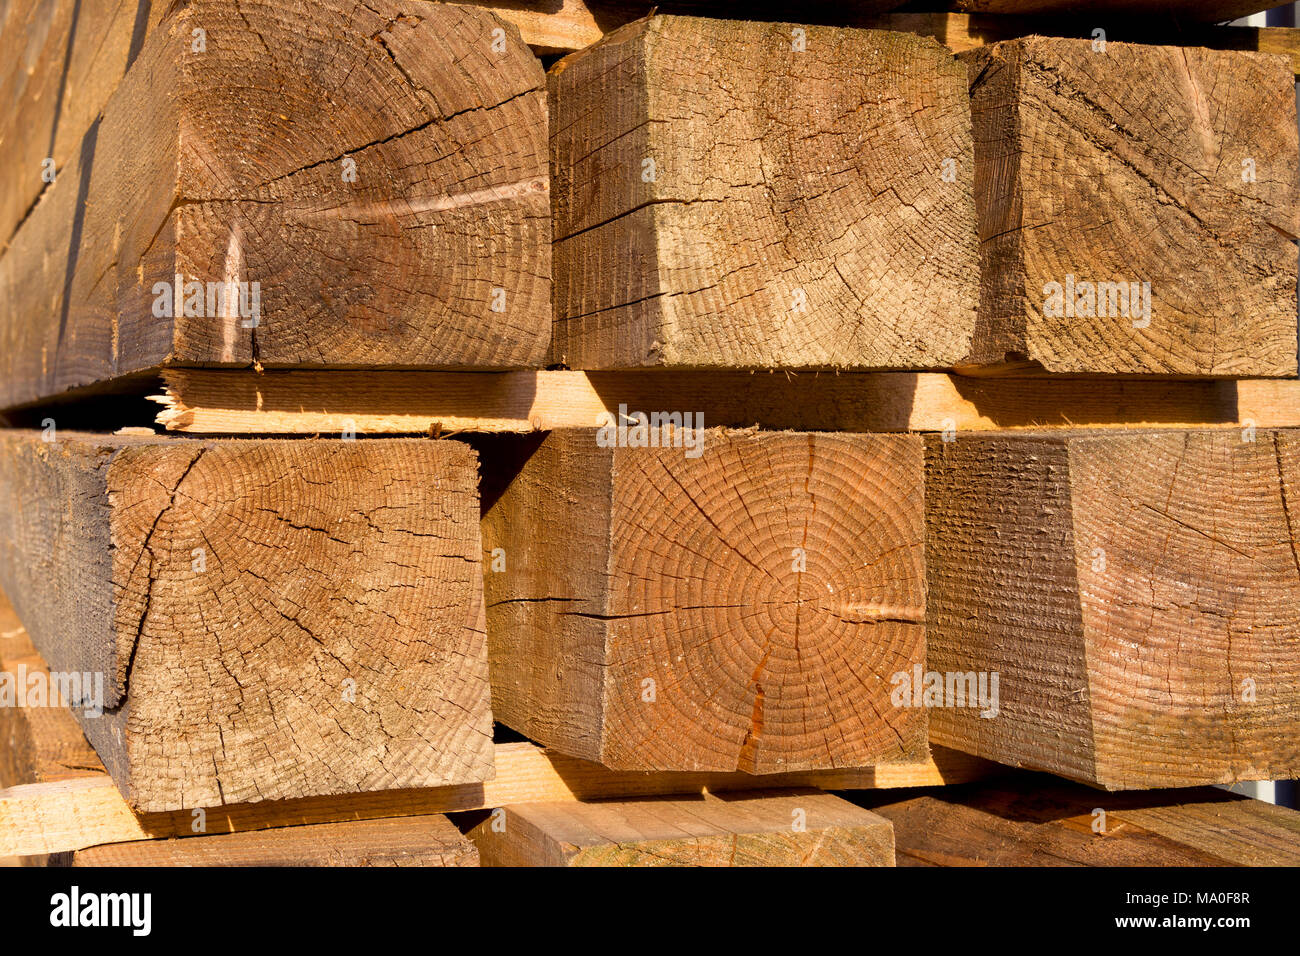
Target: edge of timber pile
260	619
353	185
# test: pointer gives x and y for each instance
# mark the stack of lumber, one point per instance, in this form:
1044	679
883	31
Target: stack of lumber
1029	820
422	448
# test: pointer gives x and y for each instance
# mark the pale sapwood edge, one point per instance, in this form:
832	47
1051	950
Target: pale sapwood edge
215	401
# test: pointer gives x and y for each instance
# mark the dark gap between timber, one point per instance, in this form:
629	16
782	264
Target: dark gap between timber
121	403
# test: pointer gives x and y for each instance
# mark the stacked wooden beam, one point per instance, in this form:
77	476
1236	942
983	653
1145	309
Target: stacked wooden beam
56	797
914	410
410	149
1034	821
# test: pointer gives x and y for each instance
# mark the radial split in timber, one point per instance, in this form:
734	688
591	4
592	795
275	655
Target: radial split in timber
1170	167
59	798
448	197
800	193
379	174
286	618
746	609
771	591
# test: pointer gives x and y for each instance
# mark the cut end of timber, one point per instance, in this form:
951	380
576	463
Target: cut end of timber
743	608
269	619
1138	208
359	185
59	799
828	214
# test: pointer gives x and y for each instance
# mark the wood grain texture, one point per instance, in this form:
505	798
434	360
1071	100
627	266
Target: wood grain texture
74	804
38	744
761	593
1269	403
1177	10
800	195
756	829
960	32
40	741
577	24
229	164
410	841
1126	167
229	591
1034	821
221	401
1138	594
60	60
73	814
